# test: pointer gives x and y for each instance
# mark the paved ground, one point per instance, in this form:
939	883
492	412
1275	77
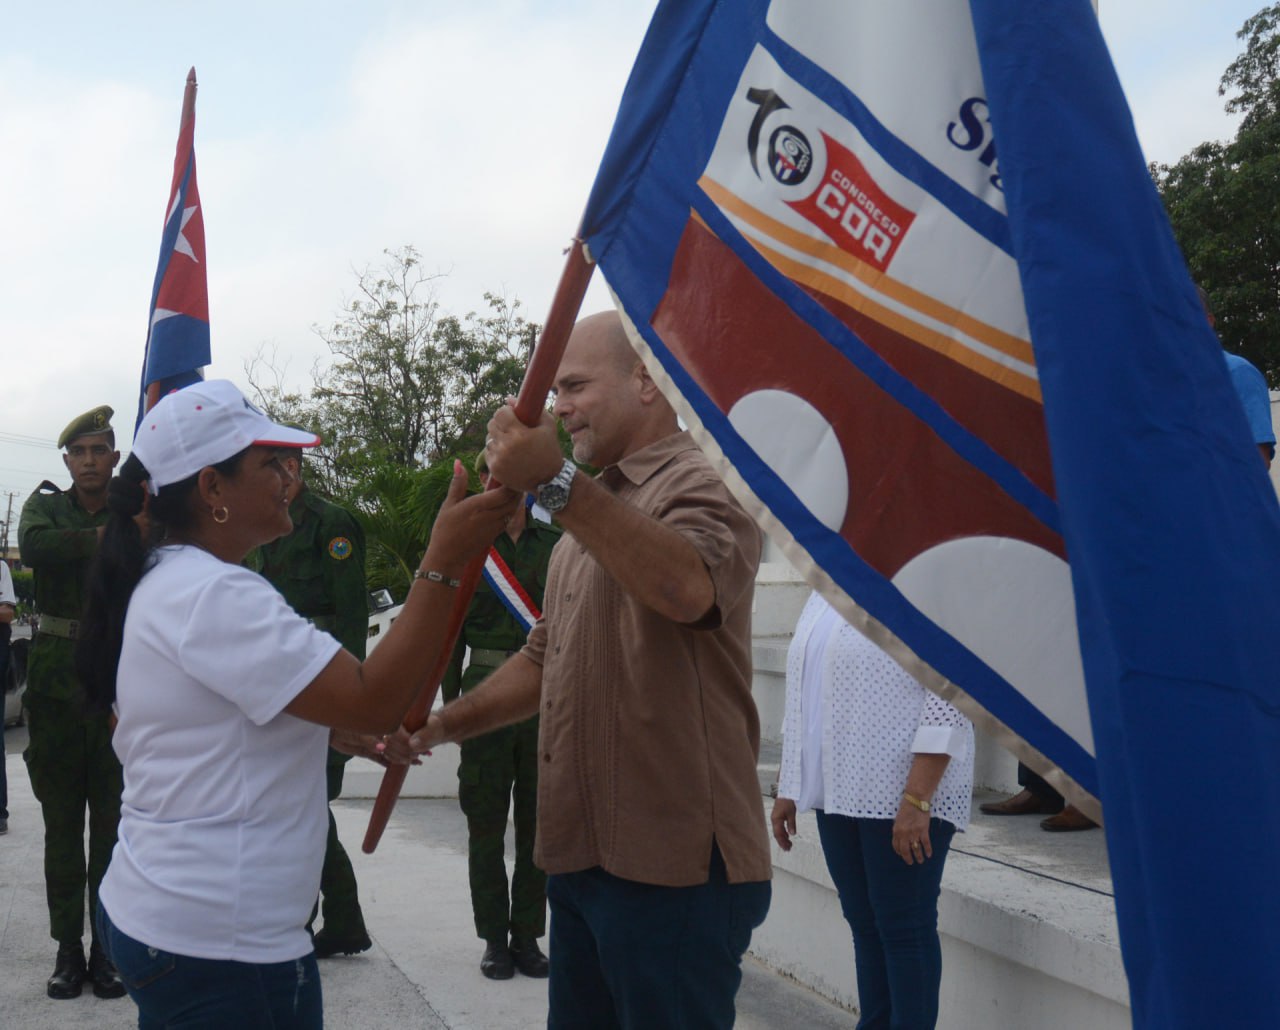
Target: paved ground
423	971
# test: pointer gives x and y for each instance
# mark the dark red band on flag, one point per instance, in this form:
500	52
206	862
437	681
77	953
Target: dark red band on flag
890	518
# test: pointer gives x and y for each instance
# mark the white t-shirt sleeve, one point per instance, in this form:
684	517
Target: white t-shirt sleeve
7	596
242	635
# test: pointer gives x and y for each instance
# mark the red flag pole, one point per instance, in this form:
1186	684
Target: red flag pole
188	113
530	403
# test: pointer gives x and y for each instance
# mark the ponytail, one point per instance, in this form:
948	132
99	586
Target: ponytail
117	567
122	558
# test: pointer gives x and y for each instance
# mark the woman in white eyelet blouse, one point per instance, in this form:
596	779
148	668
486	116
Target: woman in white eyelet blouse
888	767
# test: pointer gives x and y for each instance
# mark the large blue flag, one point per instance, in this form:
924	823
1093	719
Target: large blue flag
178	330
902	271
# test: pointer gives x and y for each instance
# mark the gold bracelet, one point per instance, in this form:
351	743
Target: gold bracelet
437	577
916	802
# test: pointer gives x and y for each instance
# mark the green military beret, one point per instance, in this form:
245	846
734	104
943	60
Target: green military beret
97	420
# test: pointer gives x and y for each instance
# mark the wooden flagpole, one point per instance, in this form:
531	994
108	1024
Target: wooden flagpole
538	378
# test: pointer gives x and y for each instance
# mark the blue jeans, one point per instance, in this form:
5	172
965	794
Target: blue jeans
637	956
892	909
184	993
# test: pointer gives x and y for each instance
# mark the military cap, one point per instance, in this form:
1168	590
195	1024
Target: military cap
91	423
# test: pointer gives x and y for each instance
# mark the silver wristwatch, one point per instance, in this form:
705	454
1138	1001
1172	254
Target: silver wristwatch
554	495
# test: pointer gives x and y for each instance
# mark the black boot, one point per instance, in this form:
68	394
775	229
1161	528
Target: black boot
528	957
496	964
328	944
102	973
69	972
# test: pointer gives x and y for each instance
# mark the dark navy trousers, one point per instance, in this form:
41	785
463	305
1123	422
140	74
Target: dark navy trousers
634	956
892	909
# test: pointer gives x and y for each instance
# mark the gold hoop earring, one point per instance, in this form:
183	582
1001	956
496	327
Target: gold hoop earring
225	515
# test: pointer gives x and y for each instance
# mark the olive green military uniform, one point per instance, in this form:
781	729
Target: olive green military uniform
320	570
69	757
501	766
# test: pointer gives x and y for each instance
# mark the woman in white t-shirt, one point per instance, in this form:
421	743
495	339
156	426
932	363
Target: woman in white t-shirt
226	700
889	768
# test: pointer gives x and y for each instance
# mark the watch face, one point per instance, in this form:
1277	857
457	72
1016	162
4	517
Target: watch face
553	496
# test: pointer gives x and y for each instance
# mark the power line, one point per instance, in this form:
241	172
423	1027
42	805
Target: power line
27	441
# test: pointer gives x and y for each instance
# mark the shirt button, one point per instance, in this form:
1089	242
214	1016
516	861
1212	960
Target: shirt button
568	596
549	706
546	757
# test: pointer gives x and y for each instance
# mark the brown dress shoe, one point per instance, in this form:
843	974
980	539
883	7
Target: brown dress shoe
1068	820
1023	803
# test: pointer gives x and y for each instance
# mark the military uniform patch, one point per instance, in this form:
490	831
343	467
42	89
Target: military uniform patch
340	548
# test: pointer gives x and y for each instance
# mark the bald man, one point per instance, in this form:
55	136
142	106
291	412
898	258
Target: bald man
650	822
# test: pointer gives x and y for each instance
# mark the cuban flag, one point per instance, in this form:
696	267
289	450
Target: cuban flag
902	271
178	331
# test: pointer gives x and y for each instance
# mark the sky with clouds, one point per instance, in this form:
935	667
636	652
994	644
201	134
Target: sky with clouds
327	132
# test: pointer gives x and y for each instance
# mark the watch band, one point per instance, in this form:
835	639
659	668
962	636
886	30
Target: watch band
916	802
553	495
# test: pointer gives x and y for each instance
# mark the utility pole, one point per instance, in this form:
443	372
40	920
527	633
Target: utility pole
4	531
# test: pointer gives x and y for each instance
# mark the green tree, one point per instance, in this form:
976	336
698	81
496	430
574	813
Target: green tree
408	388
24	589
408	385
400	507
1222	202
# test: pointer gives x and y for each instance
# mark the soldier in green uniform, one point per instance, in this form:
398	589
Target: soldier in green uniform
69	757
500	766
319	568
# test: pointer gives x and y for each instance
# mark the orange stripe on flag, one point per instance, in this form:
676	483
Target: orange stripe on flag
1006	343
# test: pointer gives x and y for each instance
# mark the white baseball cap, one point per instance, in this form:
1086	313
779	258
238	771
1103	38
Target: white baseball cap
203	424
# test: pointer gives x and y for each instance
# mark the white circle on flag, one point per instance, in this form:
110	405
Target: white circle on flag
798	444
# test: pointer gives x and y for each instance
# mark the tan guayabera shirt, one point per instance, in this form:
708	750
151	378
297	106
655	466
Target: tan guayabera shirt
649	735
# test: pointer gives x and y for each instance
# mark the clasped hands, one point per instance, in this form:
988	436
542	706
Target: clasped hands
399	748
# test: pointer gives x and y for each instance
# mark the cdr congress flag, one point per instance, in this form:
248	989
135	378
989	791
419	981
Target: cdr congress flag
902	271
178	331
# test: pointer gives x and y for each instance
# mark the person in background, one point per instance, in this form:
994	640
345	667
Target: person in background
498	771
320	570
69	758
1251	388
888	767
8	606
226	699
1039	797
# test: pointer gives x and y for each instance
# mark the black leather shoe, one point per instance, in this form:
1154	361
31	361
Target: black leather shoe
102	974
329	944
69	972
497	964
1022	803
528	957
